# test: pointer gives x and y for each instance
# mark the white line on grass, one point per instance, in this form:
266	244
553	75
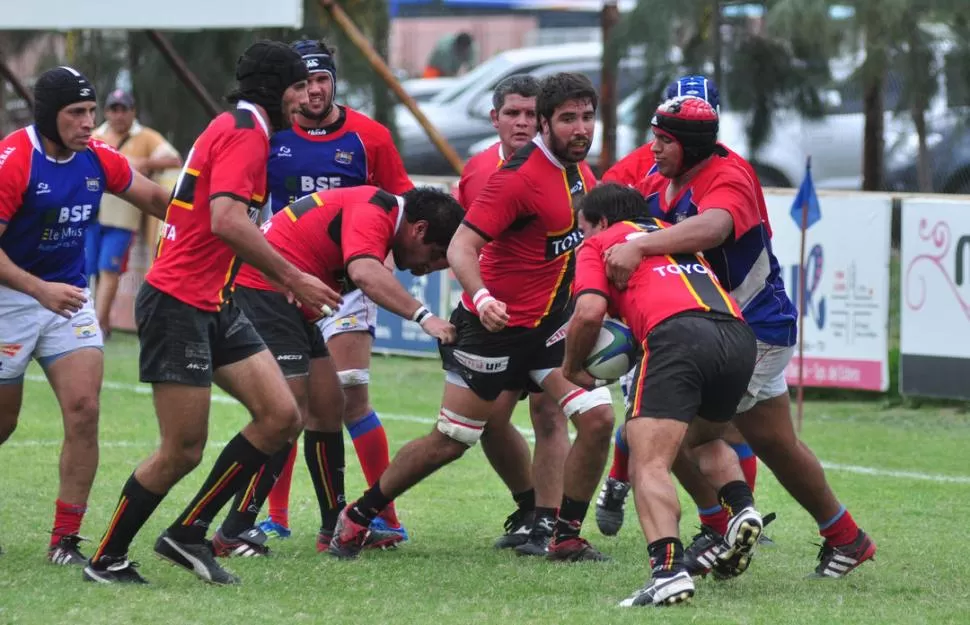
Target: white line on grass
221	398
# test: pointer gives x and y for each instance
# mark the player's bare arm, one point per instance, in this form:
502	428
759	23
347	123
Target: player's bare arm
231	224
148	196
463	259
63	299
381	286
581	334
696	234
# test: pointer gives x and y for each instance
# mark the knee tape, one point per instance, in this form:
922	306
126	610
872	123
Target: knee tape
580	401
353	377
462	429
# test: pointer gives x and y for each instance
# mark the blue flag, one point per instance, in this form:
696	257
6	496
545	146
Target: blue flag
806	198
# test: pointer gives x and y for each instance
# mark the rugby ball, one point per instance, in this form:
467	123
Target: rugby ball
615	352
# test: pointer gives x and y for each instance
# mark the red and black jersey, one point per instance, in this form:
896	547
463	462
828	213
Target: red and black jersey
661	287
323	232
476	173
228	159
526	213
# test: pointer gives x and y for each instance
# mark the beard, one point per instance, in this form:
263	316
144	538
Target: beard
562	151
317	117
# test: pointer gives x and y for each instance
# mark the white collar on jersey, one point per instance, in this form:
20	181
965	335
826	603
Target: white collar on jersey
545	150
400	212
249	106
39	146
501	152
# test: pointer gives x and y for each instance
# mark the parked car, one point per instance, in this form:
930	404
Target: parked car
948	146
461	111
424	89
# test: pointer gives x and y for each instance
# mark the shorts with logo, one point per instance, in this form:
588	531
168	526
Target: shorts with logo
358	313
491	362
106	248
694	364
28	330
183	344
768	379
291	339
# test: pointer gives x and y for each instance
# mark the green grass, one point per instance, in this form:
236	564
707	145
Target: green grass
448	573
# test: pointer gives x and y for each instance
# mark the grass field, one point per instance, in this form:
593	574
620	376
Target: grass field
903	473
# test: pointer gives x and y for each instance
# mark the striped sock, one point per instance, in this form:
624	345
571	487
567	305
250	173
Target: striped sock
233	470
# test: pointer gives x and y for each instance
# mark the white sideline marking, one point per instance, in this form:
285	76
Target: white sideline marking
217	397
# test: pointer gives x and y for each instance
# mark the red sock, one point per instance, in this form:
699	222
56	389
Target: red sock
621	458
717	521
370	443
749	466
619	468
279	497
67	519
842	531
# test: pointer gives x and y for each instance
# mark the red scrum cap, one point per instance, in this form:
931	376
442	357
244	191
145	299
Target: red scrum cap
690	121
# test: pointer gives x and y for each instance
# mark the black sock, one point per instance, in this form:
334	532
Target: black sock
545	522
735	496
369	505
135	506
233	470
324	454
526	500
666	556
571	515
250	499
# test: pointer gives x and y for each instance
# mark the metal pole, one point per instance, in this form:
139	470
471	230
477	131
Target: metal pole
609	18
800	395
182	71
375	60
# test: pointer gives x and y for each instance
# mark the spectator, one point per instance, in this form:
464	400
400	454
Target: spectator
450	55
109	239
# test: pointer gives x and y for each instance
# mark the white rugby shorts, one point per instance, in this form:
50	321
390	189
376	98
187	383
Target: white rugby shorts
28	330
358	313
768	379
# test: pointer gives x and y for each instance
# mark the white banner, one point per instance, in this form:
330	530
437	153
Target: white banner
935	298
846	316
168	15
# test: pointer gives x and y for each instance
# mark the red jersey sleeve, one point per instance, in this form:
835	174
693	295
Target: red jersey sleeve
387	168
591	269
238	164
366	231
117	170
632	168
733	191
499	204
14	174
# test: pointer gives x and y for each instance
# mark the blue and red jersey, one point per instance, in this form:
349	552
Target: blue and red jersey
744	264
353	151
47	204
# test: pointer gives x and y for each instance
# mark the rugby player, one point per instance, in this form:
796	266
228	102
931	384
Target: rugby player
332	146
667	310
696	187
52	178
630	170
192	333
341	236
536	485
514	256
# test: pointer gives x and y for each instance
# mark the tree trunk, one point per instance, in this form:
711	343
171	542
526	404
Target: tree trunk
717	45
873	135
383	102
609	18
